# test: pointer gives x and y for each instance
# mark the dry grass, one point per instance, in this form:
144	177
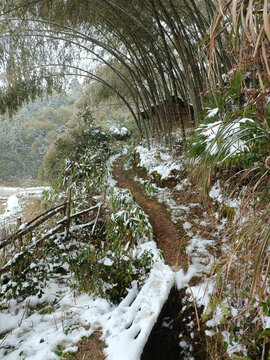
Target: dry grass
243	264
91	348
31	207
2	206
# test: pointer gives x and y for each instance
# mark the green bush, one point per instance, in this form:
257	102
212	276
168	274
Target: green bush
109	272
128	223
240	142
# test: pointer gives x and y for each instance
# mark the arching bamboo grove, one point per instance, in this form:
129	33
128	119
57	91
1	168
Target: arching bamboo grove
151	47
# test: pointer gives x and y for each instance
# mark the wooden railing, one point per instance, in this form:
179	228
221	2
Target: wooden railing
32	225
61	225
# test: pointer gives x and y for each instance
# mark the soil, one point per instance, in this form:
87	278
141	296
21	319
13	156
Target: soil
170	237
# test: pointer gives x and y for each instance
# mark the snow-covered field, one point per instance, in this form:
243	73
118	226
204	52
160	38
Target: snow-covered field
14	199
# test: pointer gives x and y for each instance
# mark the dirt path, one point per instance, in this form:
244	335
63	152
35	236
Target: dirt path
170	237
172	240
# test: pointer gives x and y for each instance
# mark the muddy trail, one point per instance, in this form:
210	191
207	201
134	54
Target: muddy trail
169	237
177	334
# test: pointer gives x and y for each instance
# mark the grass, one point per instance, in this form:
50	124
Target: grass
242	256
2	206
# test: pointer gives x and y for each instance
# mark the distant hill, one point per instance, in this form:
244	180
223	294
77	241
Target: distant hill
25	138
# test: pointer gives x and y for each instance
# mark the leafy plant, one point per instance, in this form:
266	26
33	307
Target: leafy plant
149	189
247	331
60	351
84	169
109	271
81	140
29	273
128	222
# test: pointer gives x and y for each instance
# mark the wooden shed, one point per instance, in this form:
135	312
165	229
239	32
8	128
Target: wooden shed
169	112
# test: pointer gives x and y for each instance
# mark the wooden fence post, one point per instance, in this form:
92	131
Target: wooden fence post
20	240
68	212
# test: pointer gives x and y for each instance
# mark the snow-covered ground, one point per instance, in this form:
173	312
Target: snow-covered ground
157	159
67	318
36	327
13	199
200	250
126	327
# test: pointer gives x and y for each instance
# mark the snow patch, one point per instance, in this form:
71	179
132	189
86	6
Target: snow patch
156	160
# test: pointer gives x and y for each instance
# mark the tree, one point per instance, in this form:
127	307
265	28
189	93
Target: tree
150	46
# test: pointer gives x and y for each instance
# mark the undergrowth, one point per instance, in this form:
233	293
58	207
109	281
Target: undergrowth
103	260
232	149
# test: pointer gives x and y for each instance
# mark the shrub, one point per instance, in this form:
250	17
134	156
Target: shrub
109	272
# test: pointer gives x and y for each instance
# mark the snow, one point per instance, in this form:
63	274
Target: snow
121	133
15	197
217	317
210	131
216	194
156	160
187	225
9	321
235	347
107	262
178	187
212	112
177	211
22	226
125	328
53	327
266	322
13	205
198	246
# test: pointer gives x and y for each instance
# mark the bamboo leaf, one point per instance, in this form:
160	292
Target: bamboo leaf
258	43
213	31
258	261
261	81
243	23
220	7
265	59
266	19
250	22
234	14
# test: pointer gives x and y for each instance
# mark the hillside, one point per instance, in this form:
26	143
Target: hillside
152	238
172	235
26	137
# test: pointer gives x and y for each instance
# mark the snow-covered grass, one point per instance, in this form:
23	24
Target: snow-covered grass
59	317
39	325
216	194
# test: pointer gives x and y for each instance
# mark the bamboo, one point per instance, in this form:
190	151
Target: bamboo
68	211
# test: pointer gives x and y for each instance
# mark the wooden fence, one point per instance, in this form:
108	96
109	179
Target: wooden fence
61	225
